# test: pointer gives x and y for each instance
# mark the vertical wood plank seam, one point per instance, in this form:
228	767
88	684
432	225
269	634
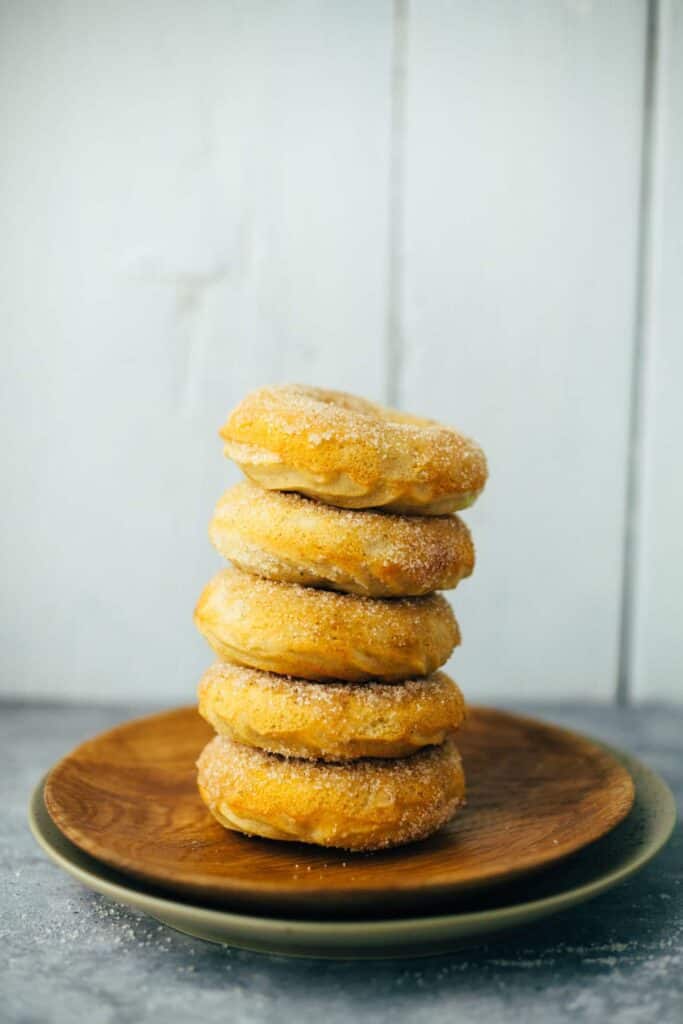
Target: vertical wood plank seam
641	329
393	326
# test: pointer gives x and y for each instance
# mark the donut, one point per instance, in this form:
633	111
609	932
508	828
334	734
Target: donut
360	805
294	539
321	634
350	452
329	721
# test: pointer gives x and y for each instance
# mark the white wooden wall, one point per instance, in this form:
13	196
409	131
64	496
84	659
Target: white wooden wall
657	640
435	202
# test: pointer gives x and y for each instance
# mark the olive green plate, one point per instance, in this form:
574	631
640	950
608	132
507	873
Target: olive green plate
587	874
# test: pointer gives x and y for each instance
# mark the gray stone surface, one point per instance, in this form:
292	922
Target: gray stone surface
67	955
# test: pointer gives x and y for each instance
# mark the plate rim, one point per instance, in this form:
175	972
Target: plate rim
411	931
434	888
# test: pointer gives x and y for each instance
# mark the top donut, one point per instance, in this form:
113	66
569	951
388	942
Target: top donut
350	452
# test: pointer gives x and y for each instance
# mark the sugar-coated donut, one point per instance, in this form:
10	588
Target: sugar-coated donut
297	540
350	452
329	721
321	634
359	805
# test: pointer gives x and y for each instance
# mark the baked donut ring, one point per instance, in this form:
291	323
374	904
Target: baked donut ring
296	540
329	721
320	634
360	805
350	452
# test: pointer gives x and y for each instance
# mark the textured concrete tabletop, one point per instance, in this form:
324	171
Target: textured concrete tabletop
68	955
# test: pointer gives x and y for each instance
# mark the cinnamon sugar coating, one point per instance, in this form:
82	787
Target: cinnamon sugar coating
329	721
294	539
321	634
353	453
360	805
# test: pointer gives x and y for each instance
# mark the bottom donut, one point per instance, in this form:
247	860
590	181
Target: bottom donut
359	805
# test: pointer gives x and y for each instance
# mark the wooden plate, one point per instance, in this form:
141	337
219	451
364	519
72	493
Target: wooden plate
587	874
536	794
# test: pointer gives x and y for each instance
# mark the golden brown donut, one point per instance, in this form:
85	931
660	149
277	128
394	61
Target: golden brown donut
320	634
297	540
350	452
329	721
360	805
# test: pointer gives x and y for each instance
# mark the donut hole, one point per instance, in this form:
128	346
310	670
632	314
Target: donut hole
363	407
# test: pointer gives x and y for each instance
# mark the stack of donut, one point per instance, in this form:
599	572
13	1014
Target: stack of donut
334	725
